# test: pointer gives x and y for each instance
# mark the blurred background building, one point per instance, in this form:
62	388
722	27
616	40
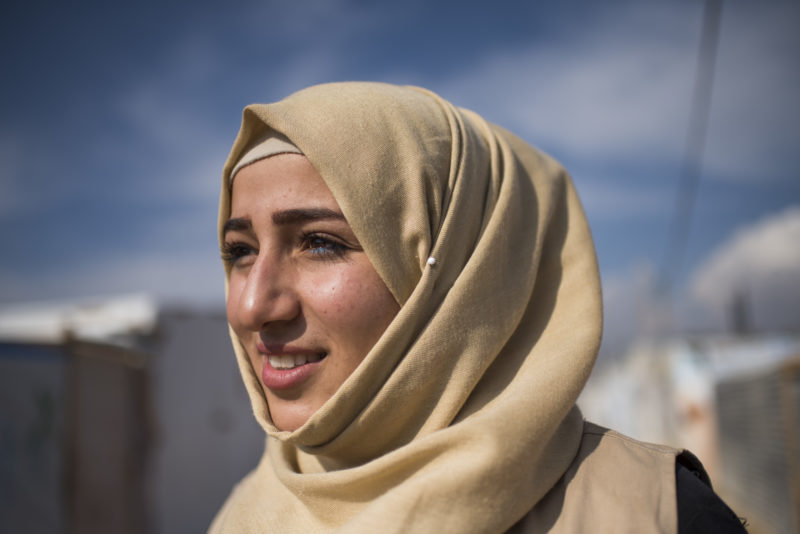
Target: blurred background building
120	416
117	416
732	399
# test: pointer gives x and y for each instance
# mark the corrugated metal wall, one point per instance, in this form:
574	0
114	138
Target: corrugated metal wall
759	421
73	439
32	427
95	438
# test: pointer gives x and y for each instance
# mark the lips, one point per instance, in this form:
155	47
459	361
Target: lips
288	366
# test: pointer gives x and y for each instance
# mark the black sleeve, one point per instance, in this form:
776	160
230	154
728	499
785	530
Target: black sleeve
700	510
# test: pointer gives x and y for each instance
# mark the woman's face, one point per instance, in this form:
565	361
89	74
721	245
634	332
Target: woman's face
303	299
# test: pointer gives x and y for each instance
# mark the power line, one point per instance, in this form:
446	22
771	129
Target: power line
685	199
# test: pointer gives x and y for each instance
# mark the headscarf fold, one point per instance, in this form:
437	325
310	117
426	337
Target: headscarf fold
463	415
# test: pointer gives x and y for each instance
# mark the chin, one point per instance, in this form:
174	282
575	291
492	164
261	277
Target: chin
288	418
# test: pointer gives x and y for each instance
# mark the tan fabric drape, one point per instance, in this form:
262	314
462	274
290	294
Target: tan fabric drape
462	416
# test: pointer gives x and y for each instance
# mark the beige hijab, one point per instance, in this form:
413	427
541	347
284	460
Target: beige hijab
463	414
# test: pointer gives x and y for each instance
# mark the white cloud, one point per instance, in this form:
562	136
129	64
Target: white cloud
191	141
189	146
608	100
623	89
628	308
296	22
179	278
755	117
761	262
610	202
600	93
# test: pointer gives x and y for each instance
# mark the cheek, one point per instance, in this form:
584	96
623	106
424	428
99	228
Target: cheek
352	296
331	294
354	300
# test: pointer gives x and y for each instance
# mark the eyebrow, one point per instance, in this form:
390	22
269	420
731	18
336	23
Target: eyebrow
236	224
305	215
292	216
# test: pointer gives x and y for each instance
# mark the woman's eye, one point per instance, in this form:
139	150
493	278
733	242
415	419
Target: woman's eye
323	246
233	252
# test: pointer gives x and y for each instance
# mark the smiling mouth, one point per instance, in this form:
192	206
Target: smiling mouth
284	362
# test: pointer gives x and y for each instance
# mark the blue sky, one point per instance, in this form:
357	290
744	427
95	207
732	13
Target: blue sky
116	119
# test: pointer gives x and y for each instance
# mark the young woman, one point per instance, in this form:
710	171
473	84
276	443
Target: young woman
415	305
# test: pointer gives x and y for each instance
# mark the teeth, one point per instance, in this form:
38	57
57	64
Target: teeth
290	361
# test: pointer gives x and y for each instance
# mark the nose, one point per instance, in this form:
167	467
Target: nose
267	296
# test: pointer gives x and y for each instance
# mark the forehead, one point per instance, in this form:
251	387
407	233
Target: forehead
279	182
